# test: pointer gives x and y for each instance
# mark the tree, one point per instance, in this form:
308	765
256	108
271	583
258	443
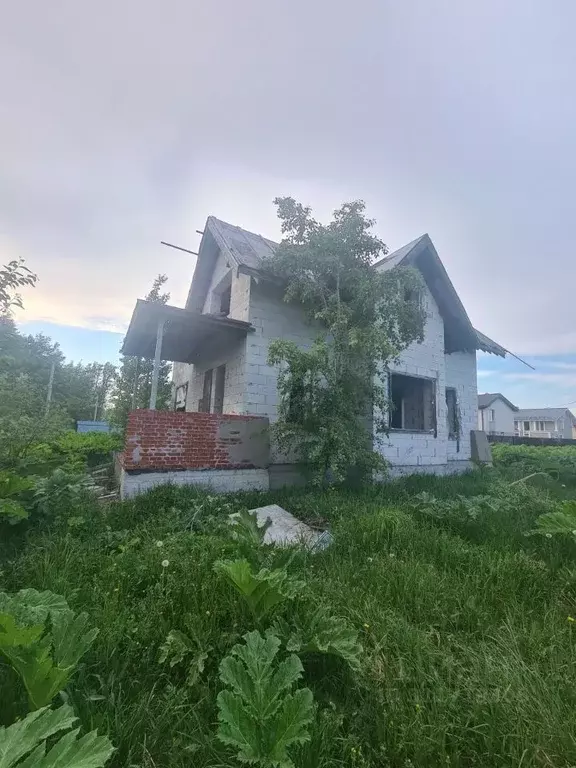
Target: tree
13	275
332	396
134	381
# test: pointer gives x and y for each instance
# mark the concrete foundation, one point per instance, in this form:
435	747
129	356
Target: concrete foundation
219	480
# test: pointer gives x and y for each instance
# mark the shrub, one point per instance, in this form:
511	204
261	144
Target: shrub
557	461
62	493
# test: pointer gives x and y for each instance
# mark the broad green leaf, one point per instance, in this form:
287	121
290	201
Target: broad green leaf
29	606
22	737
237	728
562	522
176	646
11	634
260	716
289	726
263	590
179	647
11	484
43	640
315	631
71	638
246	530
12	511
90	751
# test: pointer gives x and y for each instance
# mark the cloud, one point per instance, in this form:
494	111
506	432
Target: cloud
484	374
114	136
566	378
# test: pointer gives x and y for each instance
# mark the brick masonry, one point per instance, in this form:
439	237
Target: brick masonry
165	440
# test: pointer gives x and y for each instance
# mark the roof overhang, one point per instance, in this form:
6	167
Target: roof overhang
187	336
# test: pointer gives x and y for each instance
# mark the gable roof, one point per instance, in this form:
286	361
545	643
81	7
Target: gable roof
458	330
247	249
544	414
485	400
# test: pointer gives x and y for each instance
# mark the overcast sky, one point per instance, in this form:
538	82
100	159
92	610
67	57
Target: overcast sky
123	123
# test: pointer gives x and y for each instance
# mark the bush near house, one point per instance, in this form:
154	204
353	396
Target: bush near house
72	450
437	629
557	461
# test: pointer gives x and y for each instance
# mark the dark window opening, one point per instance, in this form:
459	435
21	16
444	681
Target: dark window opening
181	397
412	403
452	413
219	389
204	403
225	297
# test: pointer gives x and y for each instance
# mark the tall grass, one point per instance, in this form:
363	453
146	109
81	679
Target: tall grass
469	652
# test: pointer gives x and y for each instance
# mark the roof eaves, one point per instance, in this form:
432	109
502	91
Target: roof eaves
213	224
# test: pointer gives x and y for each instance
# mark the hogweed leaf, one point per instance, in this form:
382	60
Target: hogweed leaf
234	674
237	728
247	530
561	522
29	606
259	716
12	635
263	590
12	511
22	737
239	572
71	638
289	726
90	751
43	640
179	647
318	632
175	648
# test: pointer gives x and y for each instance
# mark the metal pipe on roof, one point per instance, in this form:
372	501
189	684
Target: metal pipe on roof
178	248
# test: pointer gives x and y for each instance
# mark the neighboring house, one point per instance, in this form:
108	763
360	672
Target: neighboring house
545	422
219	343
496	414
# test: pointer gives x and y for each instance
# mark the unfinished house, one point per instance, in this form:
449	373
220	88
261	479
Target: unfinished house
225	391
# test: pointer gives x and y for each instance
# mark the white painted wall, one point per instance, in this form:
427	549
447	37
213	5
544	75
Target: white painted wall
503	418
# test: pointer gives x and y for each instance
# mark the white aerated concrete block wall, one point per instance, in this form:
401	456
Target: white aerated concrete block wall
461	375
221	480
234	382
272	319
413	449
235	359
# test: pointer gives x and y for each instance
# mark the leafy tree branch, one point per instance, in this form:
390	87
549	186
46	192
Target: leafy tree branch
333	394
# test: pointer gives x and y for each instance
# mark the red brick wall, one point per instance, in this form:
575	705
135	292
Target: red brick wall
165	440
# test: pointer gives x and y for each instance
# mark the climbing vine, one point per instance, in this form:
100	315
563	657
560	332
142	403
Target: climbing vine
333	395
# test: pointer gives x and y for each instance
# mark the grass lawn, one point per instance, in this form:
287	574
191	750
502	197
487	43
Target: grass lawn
465	622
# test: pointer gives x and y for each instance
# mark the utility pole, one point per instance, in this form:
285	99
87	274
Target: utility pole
50	384
96	391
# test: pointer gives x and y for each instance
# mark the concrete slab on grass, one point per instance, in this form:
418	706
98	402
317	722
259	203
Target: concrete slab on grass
287	530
